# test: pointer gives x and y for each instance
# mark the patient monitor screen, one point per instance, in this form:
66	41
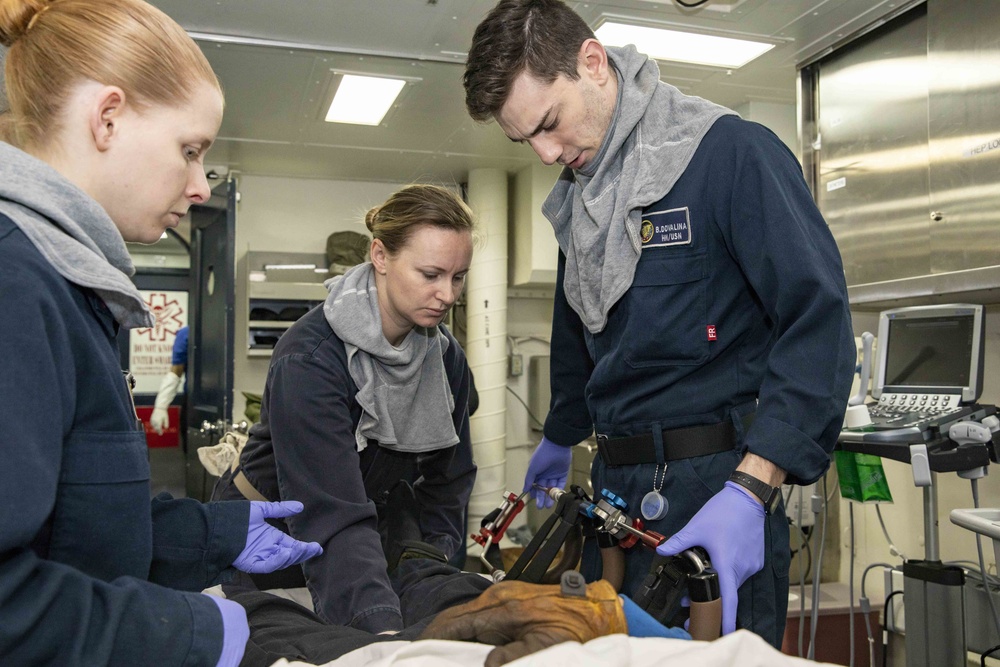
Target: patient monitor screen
930	352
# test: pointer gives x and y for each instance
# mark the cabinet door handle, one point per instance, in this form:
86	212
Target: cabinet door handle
937	216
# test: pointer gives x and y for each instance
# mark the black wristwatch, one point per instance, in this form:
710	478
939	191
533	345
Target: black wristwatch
769	495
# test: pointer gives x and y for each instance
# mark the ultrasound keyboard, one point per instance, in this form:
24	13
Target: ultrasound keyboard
904	417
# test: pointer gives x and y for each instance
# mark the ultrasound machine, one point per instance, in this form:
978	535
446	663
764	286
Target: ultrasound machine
928	376
928	373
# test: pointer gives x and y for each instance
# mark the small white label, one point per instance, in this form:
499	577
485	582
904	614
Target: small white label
985	147
836	184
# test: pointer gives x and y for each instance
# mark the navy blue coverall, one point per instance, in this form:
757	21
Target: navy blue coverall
85	562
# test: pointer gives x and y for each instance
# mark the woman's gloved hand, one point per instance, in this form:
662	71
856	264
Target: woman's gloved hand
235	631
268	549
730	527
548	467
520	618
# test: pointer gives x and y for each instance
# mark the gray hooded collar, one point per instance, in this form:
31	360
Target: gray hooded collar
404	394
652	138
72	232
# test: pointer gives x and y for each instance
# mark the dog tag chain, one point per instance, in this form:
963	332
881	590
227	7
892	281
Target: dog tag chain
655	506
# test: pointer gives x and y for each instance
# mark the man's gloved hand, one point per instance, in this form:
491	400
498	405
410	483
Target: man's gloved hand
268	549
520	618
730	527
235	631
548	467
164	397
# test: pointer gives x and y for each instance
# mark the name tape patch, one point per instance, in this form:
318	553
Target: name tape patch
666	228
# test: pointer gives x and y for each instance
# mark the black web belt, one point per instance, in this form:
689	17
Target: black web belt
678	443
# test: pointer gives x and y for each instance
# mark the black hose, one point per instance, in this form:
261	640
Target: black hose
885	632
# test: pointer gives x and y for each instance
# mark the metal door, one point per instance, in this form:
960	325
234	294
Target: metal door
210	347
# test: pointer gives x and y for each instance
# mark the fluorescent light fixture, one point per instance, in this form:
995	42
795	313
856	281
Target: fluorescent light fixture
363	100
685	47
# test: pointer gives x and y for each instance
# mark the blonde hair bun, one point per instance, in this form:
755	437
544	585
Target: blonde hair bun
126	43
17	17
394	221
370	217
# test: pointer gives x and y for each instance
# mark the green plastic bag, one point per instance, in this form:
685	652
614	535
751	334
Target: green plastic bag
862	478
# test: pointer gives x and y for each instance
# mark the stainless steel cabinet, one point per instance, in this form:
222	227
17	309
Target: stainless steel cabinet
873	159
963	53
902	143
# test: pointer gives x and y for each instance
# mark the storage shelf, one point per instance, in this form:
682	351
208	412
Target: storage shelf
269	324
282	302
289	291
980	285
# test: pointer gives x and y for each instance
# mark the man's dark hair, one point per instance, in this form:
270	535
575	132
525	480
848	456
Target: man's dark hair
542	37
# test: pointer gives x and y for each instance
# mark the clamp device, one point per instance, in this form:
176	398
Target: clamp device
494	525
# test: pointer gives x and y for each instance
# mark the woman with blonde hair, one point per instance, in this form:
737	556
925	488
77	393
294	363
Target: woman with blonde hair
111	110
365	415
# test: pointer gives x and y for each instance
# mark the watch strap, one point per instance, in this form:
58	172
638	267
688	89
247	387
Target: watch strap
769	495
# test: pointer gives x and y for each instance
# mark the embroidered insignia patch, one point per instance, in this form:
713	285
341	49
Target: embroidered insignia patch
646	231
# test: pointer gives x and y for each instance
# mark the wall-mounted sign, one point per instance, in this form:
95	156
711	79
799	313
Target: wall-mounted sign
150	349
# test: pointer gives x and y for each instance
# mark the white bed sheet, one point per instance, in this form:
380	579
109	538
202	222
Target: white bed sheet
739	649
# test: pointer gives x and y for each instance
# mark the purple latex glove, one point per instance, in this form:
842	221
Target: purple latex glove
730	527
268	549
548	467
235	631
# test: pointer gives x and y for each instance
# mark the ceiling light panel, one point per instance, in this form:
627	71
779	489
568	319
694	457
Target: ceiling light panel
685	47
363	100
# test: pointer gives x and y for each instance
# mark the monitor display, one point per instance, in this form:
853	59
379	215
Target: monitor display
931	348
929	352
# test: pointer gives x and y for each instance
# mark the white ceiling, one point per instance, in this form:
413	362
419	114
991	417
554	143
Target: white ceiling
277	59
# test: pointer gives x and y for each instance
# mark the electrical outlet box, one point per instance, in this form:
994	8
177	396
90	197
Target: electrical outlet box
516	365
791	492
893	614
